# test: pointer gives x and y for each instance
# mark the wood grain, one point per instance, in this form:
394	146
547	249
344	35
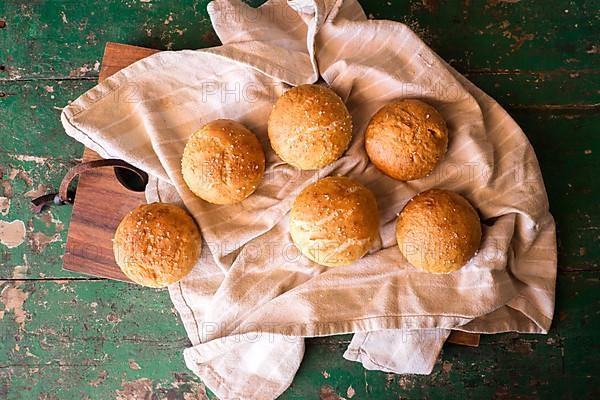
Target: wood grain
464	338
101	201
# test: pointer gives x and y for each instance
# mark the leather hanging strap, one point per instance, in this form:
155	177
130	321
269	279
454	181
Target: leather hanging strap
66	196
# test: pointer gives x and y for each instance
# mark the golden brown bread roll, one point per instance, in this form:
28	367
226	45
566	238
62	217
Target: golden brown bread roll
438	231
157	244
310	127
406	139
334	221
223	162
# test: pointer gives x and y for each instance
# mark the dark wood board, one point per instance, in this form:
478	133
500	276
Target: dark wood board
101	201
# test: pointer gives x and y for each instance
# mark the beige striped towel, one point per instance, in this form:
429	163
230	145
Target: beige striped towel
252	298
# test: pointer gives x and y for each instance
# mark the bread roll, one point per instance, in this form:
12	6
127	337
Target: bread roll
223	162
406	139
157	244
310	127
438	231
334	221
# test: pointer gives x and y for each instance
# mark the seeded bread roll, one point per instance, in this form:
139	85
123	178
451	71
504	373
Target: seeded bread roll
334	221
223	162
157	244
310	127
438	231
406	139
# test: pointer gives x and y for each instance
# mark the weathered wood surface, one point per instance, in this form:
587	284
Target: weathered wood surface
66	336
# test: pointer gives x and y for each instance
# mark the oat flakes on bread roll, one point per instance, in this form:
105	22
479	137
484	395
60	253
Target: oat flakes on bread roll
310	127
157	244
438	231
406	139
223	162
334	221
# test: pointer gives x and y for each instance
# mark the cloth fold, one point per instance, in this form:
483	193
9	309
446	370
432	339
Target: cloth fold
252	298
403	351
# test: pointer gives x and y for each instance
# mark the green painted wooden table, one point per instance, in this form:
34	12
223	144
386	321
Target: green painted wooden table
68	336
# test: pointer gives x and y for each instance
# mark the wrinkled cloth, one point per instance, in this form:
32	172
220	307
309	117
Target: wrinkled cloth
252	298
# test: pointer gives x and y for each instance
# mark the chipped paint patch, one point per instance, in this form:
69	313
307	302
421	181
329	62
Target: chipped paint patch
195	395
350	392
20	272
521	347
4	205
389	379
493	3
325	374
518	38
12	234
38	241
134	390
113	318
7	188
193	390
63	16
133	365
431	5
447	366
13	299
81	71
405	382
39	191
592	49
21	174
198	392
101	378
48	219
327	393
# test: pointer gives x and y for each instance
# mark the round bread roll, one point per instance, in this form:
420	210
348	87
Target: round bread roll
406	139
438	231
157	244
334	221
223	162
310	127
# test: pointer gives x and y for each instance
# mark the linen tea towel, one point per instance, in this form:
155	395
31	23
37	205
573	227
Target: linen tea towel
252	298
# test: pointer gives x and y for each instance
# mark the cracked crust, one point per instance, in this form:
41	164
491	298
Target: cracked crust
223	162
334	221
438	231
157	244
406	139
310	127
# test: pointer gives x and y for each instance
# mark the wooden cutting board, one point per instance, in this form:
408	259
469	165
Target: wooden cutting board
102	202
